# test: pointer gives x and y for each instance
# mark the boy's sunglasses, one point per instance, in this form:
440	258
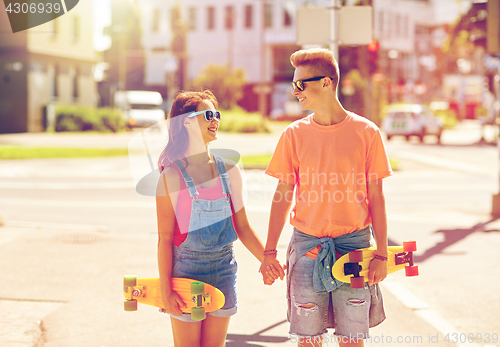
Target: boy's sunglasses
209	115
300	83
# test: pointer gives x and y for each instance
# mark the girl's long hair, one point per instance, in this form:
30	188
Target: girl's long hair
178	139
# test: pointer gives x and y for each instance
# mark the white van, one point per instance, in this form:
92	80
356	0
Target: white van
140	108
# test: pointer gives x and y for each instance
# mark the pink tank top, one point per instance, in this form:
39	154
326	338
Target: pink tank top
183	208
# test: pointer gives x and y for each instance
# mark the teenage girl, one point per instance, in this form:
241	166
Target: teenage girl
200	214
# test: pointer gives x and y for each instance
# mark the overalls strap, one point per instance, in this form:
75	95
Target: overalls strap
224	176
193	192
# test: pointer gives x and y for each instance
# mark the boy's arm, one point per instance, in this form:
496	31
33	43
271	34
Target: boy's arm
376	206
282	201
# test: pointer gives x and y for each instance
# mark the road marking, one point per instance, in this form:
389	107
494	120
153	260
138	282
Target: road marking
66	203
67	186
56	226
404	295
422	310
443	163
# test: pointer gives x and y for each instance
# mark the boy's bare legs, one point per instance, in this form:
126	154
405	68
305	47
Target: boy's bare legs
358	343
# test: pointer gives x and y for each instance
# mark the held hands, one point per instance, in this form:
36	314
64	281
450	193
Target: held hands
271	268
173	303
378	271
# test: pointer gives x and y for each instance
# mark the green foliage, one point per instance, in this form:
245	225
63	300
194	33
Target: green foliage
81	118
20	152
237	120
448	116
226	84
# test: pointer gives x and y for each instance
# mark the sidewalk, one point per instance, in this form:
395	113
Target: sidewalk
62	285
67	292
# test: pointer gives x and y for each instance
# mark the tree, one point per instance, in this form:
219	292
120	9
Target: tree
226	84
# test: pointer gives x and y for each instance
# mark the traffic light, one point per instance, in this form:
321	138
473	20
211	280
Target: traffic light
373	57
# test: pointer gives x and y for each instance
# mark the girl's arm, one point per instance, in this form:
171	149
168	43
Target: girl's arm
165	213
245	232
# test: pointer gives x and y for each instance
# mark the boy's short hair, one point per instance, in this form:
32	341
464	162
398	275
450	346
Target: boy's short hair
320	60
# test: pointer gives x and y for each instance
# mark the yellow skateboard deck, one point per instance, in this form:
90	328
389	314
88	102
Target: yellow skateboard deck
199	297
353	267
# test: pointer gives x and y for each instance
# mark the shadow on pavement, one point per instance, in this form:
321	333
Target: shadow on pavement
237	340
452	236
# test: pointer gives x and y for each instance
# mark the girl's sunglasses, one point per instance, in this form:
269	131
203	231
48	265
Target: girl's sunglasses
300	83
209	115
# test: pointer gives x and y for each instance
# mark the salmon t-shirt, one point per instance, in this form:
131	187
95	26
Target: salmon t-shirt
330	166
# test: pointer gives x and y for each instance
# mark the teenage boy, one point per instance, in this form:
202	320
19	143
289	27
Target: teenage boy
335	161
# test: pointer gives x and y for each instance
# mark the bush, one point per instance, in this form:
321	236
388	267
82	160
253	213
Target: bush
111	119
226	84
448	117
238	120
81	118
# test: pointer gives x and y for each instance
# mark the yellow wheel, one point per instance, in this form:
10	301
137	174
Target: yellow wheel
198	313
130	305
129	281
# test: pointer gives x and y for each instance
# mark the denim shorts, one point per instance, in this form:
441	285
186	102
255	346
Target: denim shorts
351	307
215	268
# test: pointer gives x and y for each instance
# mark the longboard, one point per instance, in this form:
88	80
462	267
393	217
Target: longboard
353	267
199	297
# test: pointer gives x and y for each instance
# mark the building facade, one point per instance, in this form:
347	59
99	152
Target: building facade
259	36
46	65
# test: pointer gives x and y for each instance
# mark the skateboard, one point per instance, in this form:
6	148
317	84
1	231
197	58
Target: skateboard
199	297
353	267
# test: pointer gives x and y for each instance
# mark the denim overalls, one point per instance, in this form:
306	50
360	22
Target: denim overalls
207	254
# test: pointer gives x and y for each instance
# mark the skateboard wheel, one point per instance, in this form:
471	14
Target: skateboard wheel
197	288
198	313
410	246
130	305
356	256
357	282
411	271
129	281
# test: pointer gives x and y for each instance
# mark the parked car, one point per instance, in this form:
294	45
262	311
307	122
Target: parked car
411	120
140	108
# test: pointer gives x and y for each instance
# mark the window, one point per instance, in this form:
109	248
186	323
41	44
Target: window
248	16
210	18
76	75
381	26
229	17
397	28
55	28
288	10
192	18
406	26
155	22
268	15
55	84
283	70
287	19
76	29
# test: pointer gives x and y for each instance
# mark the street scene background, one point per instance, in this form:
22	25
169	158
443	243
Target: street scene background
72	227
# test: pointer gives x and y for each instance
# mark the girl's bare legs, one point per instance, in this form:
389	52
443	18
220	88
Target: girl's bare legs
210	332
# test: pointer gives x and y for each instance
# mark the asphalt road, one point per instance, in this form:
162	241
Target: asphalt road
70	212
